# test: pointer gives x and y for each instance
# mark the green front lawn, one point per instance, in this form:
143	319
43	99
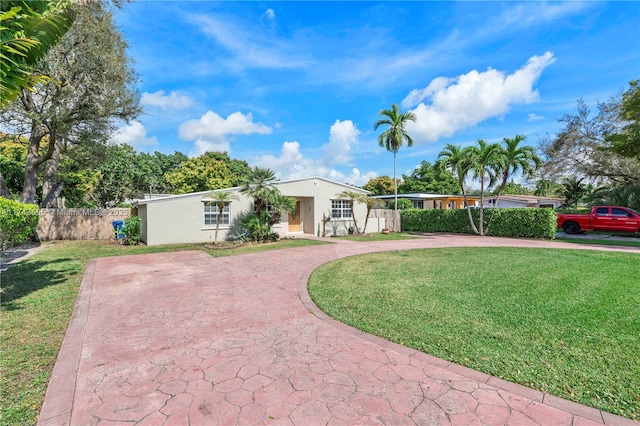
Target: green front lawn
37	298
565	322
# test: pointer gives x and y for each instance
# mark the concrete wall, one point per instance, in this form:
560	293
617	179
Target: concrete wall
79	224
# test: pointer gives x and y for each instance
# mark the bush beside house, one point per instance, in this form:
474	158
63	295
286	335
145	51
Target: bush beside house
524	222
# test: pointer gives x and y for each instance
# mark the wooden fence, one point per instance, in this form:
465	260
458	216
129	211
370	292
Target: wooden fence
391	218
79	224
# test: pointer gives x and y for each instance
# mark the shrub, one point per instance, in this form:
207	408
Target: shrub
524	222
259	227
131	229
403	204
18	222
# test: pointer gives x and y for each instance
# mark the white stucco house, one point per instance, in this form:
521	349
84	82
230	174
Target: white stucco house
191	218
521	201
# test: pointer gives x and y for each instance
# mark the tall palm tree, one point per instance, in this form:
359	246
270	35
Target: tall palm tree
260	187
220	198
514	158
394	136
456	160
486	165
352	197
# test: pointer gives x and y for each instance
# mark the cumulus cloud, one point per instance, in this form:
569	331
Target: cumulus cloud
269	14
342	136
211	131
448	105
172	101
535	117
133	134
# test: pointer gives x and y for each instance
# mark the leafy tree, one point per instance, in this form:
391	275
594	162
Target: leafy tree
220	198
239	169
29	30
616	196
352	197
457	161
429	178
581	147
199	174
626	142
513	188
403	204
573	190
381	185
261	188
91	86
395	135
13	153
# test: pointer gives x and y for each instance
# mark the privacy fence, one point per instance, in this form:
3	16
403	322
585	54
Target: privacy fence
80	224
391	218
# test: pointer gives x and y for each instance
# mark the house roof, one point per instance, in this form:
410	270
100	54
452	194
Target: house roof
529	198
237	188
424	196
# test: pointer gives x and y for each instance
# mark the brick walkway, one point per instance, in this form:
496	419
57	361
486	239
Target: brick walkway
184	338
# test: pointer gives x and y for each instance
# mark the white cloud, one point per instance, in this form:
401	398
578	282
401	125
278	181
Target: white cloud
133	134
211	131
269	14
535	117
456	104
342	135
172	101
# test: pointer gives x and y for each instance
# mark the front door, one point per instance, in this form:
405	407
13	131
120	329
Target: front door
294	219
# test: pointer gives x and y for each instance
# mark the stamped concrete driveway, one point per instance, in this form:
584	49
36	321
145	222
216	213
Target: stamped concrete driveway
184	338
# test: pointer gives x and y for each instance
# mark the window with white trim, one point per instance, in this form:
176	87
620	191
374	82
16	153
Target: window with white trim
418	204
211	211
341	209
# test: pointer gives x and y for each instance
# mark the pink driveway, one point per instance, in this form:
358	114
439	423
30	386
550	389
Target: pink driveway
184	338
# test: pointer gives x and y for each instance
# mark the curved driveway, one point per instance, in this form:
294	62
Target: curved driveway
185	338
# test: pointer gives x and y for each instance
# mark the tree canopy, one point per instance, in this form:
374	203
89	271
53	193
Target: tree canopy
429	178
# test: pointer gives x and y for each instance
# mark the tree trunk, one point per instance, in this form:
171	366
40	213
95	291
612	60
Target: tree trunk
395	192
51	188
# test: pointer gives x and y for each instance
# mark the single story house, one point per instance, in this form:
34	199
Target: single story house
433	201
511	201
191	218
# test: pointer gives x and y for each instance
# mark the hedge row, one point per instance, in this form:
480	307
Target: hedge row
17	221
525	222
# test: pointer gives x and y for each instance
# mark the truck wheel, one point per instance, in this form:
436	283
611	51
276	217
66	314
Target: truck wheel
571	228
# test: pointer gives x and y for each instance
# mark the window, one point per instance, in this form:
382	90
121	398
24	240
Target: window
602	211
417	204
619	212
340	209
211	210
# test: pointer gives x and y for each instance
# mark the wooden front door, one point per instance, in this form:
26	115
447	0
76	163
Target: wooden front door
294	219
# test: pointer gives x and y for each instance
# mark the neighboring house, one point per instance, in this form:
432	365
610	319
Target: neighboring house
191	218
433	201
511	201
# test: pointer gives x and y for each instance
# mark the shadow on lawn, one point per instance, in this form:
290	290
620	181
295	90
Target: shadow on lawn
28	276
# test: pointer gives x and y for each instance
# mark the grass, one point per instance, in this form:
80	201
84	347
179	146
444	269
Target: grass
564	322
363	238
37	298
601	242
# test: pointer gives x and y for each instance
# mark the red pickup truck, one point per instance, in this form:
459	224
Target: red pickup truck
602	218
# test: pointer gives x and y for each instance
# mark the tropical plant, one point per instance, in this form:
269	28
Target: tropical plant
352	197
455	159
17	222
616	196
395	135
371	203
259	227
261	188
29	30
403	204
280	204
573	190
486	165
220	198
131	230
381	185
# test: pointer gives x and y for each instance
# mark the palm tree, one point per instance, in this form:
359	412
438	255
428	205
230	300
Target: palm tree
280	203
352	197
220	198
456	160
260	187
394	136
371	203
486	164
573	190
515	158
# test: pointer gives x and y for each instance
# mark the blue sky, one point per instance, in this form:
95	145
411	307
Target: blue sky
297	86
